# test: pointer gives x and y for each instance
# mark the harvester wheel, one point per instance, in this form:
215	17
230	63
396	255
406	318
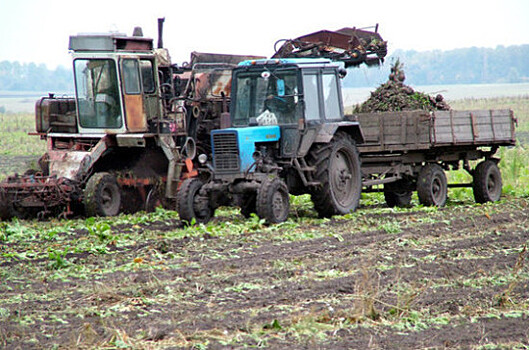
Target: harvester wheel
432	186
102	195
338	170
398	194
190	205
487	182
273	202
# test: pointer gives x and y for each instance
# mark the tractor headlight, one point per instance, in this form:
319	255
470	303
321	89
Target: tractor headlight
203	158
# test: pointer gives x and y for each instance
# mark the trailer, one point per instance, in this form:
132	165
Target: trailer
411	150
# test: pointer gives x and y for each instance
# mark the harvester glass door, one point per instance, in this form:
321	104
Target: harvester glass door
97	90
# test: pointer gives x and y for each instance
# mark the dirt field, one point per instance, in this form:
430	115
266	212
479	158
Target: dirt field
379	278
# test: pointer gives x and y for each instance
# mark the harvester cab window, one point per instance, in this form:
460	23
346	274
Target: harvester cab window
97	92
131	75
265	97
147	76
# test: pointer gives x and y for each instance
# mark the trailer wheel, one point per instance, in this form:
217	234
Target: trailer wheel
102	195
273	202
189	205
432	187
487	182
338	170
398	194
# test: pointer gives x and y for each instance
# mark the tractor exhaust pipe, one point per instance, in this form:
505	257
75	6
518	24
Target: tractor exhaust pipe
160	32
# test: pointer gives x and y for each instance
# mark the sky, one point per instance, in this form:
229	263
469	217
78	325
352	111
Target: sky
38	31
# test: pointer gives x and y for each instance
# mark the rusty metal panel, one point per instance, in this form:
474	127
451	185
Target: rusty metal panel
134	117
56	115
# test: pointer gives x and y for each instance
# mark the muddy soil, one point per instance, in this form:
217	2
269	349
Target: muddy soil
451	278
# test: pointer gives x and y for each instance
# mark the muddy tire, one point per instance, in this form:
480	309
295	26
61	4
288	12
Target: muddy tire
338	170
273	202
102	195
432	187
487	182
398	194
189	206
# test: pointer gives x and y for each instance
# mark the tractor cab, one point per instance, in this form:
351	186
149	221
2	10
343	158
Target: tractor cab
285	92
284	105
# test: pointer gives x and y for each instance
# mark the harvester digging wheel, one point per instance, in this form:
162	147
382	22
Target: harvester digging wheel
102	195
487	182
153	200
273	202
338	170
432	186
189	205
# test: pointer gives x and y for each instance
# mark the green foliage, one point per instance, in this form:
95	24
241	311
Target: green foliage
58	259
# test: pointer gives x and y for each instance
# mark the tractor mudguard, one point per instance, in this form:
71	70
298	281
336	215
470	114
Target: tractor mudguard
325	132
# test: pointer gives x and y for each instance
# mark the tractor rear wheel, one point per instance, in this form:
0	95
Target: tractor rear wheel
273	202
487	182
338	171
102	195
189	205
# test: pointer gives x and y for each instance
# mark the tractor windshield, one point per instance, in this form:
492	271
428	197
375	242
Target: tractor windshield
97	91
265	97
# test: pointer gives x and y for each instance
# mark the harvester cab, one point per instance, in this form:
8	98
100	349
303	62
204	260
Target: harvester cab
119	145
115	83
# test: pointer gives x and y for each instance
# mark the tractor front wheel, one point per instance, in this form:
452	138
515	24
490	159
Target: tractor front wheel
273	202
190	206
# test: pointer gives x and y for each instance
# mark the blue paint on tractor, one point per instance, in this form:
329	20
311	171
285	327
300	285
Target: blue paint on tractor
246	140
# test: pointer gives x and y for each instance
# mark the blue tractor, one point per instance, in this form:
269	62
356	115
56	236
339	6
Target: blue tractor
285	134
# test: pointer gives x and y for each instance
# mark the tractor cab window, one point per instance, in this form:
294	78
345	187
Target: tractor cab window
265	97
97	91
331	98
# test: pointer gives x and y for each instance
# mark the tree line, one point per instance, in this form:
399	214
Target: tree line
16	76
460	66
503	64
